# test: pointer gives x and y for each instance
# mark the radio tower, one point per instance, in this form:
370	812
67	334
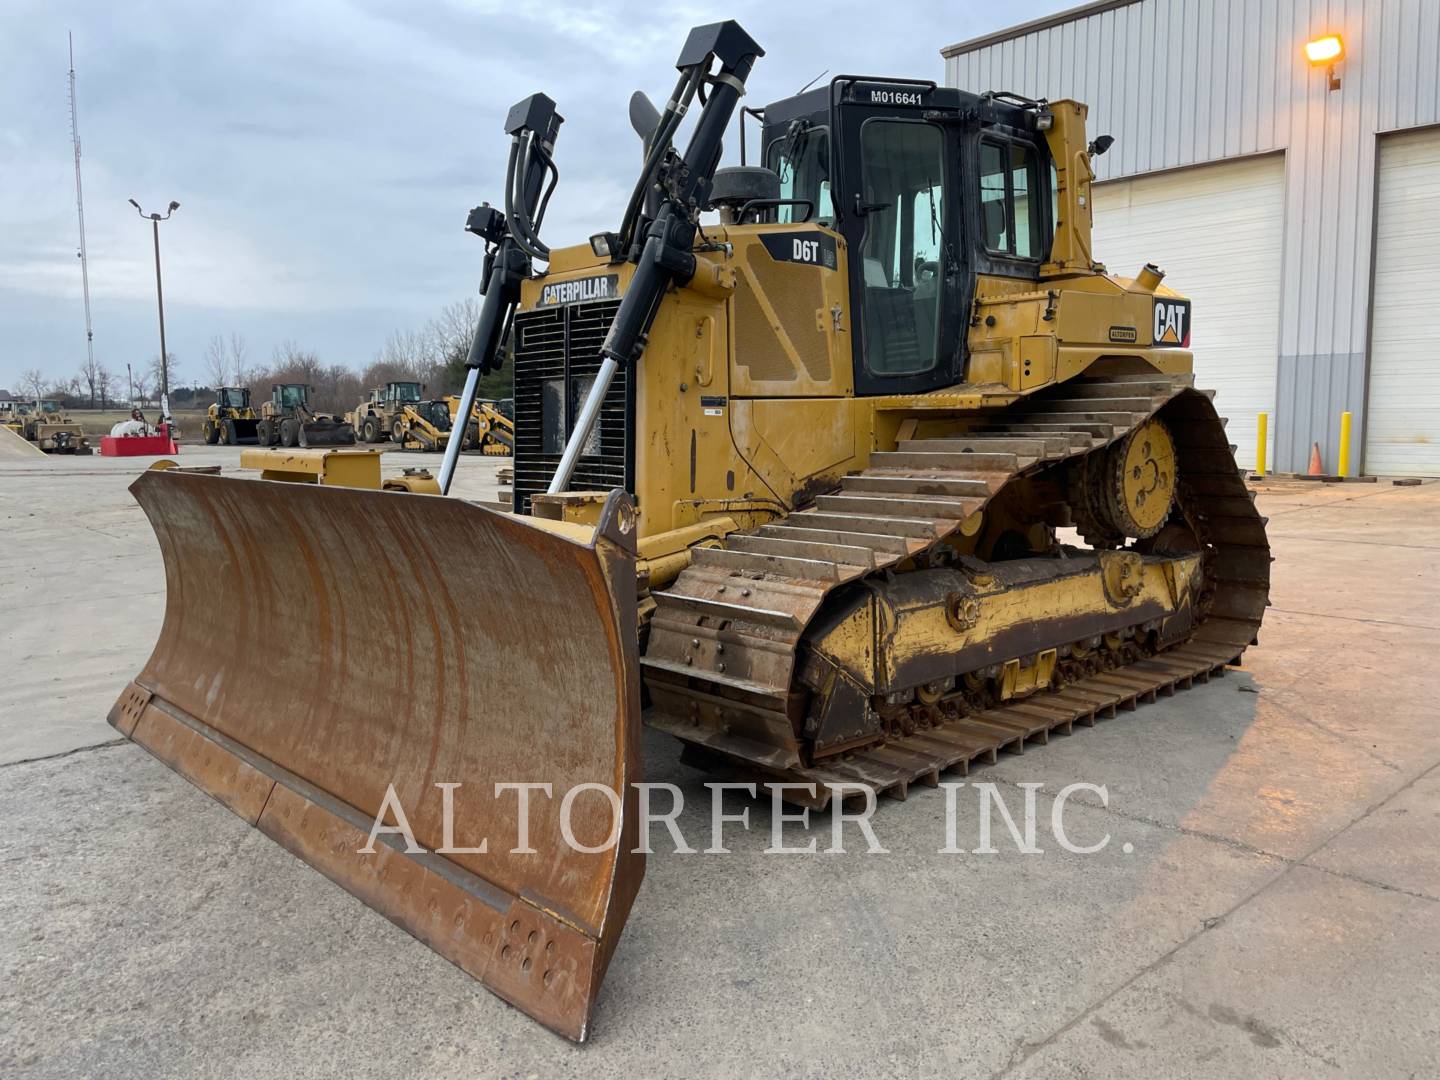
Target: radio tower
80	211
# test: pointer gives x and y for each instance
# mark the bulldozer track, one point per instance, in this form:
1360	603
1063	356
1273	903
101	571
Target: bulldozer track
725	638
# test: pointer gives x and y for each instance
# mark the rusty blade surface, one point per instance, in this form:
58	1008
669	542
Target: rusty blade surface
321	644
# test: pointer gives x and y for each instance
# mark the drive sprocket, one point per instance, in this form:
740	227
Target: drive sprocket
1126	490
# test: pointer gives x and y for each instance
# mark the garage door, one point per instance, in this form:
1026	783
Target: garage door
1216	232
1402	428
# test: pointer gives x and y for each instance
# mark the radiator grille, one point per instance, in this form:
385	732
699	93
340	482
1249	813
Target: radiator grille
557	353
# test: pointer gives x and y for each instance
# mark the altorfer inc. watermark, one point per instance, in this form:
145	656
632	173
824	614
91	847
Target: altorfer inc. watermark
851	812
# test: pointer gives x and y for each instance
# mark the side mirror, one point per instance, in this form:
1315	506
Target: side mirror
644	117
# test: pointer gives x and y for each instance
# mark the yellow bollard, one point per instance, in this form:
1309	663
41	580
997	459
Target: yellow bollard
1262	435
1344	444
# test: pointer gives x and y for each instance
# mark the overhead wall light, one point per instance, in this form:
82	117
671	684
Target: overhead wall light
1326	52
1329	49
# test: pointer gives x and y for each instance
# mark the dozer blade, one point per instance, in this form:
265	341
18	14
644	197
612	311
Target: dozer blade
322	643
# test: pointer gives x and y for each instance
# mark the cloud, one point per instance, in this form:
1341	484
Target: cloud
325	154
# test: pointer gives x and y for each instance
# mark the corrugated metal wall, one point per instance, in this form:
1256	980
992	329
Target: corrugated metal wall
1183	82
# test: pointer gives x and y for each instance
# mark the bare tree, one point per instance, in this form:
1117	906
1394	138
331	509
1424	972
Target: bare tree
65	390
217	361
434	355
140	381
102	383
90	377
33	383
453	330
406	354
338	390
237	353
156	378
289	362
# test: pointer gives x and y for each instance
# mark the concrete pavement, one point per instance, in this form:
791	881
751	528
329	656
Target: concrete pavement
1277	912
84	588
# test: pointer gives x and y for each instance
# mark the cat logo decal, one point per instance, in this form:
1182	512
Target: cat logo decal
1172	323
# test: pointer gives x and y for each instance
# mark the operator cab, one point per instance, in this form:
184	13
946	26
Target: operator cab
404	393
930	186
290	395
232	397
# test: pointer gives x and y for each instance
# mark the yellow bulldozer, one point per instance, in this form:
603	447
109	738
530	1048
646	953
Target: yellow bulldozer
856	459
230	420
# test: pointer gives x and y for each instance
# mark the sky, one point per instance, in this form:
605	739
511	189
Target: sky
325	152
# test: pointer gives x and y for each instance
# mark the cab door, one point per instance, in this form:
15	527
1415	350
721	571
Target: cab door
901	221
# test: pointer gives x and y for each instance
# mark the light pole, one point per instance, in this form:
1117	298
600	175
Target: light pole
155	220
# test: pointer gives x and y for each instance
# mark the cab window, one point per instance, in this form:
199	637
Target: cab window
903	191
803	166
1011	199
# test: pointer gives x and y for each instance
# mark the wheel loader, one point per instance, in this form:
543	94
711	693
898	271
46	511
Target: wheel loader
379	417
855	458
230	419
288	420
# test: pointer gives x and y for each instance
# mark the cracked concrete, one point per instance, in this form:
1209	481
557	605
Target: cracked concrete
1277	911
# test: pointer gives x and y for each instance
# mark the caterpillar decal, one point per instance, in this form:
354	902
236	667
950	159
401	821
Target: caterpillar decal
1172	322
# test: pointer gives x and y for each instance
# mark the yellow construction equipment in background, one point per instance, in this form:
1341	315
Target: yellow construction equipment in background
288	420
379	416
491	429
45	423
422	425
230	420
397	412
804	468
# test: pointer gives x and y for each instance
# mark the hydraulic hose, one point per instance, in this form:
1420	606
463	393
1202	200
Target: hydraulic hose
515	220
675	109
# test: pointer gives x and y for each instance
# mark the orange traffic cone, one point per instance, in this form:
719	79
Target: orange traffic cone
1316	469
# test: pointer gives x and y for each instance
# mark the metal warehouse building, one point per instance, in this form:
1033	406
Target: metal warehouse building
1297	200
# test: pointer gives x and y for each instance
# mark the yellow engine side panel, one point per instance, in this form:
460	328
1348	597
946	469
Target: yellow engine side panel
790	314
686	465
799	446
744	398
